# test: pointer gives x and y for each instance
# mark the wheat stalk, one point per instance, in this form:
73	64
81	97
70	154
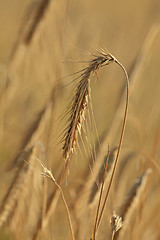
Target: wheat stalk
76	112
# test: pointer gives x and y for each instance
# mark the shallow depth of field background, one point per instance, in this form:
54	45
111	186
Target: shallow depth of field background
66	35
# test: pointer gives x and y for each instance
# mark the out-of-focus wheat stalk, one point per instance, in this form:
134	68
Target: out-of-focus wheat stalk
98	181
13	195
132	201
29	28
34	132
33	28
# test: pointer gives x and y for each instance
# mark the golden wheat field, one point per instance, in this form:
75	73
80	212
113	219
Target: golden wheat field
79	120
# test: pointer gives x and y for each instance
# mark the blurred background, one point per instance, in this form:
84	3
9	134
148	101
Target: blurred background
42	43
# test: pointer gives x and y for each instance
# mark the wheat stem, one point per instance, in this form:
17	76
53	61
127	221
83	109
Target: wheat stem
120	143
47	173
100	196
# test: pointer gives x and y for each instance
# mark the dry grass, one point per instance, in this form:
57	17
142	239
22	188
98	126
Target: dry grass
86	194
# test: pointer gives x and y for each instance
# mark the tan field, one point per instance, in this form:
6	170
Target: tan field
79	146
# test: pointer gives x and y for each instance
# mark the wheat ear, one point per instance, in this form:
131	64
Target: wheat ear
80	102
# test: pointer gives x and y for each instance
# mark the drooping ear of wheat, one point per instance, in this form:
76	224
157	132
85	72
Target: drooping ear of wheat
80	102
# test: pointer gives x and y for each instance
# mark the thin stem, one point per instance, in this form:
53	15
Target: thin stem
67	210
47	173
120	143
113	233
100	197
